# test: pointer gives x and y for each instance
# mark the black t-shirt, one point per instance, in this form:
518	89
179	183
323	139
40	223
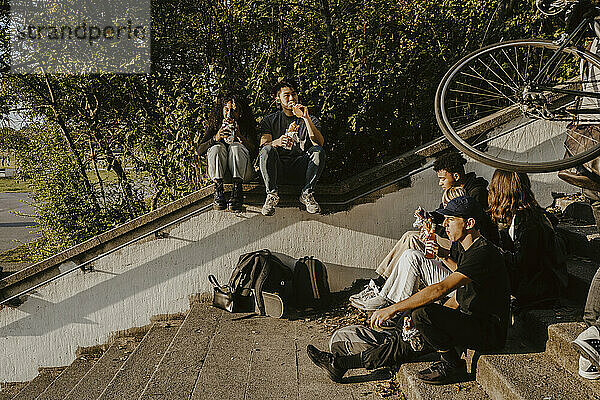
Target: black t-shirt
276	125
488	292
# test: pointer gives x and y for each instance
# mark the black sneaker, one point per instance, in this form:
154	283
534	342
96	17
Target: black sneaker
442	373
324	360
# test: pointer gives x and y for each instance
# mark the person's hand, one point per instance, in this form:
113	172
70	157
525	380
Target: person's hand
420	213
380	316
300	111
219	134
432	247
282	141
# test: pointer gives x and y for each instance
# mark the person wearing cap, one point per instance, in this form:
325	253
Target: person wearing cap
476	317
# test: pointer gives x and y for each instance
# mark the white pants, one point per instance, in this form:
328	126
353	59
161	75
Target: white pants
412	267
224	162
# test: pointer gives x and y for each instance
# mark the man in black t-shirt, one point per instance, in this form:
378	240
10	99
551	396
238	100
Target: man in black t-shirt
292	158
476	318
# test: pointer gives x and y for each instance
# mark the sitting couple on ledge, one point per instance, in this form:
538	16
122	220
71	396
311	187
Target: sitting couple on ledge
290	151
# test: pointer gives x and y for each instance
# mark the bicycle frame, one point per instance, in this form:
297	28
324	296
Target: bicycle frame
572	38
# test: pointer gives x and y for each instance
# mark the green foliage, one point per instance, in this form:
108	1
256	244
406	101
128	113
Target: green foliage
368	68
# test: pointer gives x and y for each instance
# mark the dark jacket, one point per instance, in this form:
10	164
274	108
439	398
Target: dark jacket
536	259
208	140
476	187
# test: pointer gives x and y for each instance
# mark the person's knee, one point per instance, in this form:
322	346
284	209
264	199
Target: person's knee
421	316
267	151
218	148
340	338
411	258
317	155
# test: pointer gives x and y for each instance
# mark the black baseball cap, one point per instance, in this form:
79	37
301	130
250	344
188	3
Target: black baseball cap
462	206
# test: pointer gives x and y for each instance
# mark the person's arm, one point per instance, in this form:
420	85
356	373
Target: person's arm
266	136
314	134
249	144
451	302
209	139
423	297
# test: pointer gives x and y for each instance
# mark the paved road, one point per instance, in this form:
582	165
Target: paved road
15	229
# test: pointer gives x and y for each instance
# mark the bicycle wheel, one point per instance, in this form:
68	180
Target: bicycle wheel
509	105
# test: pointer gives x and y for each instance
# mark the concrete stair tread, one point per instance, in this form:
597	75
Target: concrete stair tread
130	380
529	376
45	377
414	389
98	377
63	384
11	389
564	354
177	373
532	325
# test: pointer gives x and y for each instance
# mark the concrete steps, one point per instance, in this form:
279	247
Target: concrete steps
11	389
178	371
414	389
45	377
65	382
99	376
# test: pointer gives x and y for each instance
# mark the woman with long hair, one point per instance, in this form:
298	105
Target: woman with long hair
532	251
230	144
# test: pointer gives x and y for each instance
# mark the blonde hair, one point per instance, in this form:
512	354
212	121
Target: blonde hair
452	193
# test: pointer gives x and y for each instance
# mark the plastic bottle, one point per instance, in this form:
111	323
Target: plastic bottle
430	238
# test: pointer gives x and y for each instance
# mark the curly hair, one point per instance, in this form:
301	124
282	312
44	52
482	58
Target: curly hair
508	193
453	163
246	120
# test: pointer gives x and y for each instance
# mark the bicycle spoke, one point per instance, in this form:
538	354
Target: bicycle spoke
476	87
513	65
497	76
484	79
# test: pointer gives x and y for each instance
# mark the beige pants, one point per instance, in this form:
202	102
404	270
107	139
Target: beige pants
410	240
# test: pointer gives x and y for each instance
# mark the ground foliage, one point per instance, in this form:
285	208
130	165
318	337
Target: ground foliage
367	68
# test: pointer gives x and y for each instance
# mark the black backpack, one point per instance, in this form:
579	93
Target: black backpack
261	271
311	286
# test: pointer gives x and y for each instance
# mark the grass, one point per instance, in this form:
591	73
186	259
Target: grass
12	185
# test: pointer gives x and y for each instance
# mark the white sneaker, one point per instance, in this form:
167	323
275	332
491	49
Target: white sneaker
370	304
270	202
308	199
370	290
588	345
588	370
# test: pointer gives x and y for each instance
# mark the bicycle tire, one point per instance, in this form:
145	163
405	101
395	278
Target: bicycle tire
450	131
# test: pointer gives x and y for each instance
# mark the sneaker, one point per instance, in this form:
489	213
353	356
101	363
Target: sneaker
588	345
324	360
441	373
587	369
370	304
270	202
369	291
308	199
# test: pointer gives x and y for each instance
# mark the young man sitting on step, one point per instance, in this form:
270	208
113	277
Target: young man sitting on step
476	317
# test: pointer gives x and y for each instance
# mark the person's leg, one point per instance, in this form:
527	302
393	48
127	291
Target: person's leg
314	168
355	339
591	312
412	266
443	329
270	167
239	161
217	167
361	347
217	161
594	199
410	240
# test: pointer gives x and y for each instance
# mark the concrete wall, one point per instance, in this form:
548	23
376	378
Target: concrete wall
158	275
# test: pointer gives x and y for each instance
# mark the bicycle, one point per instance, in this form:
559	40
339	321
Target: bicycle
513	105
